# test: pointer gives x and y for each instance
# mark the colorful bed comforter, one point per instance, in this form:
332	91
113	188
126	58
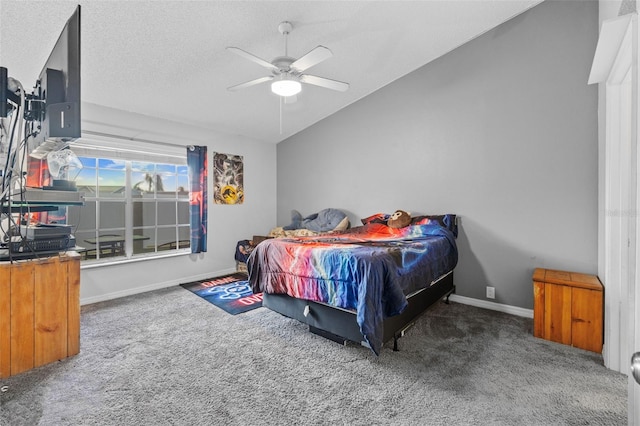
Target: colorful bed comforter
369	269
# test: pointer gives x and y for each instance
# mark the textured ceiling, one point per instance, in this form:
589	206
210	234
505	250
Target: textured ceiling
167	59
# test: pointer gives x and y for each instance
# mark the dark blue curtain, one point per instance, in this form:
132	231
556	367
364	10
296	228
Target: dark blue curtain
197	162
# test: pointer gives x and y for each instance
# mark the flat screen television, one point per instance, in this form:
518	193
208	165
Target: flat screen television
58	93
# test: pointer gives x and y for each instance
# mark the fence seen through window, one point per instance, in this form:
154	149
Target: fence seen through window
132	208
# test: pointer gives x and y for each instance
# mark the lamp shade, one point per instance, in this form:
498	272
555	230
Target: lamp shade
286	87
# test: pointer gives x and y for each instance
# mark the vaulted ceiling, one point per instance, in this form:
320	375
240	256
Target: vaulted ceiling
167	59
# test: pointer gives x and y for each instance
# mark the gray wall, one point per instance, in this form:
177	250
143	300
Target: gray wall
501	131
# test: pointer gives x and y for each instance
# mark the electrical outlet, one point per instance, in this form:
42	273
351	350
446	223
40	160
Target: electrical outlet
491	292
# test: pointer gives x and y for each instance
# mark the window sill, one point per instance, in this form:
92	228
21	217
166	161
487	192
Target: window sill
121	261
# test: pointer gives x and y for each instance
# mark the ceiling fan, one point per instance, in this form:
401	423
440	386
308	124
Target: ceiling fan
287	73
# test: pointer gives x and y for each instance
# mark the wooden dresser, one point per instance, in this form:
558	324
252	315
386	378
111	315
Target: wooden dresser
39	312
568	308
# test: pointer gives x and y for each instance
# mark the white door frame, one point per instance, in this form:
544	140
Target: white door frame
633	126
616	65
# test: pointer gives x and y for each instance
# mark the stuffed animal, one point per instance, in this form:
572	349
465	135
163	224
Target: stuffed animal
399	219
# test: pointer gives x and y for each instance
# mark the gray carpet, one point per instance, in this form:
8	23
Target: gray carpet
170	357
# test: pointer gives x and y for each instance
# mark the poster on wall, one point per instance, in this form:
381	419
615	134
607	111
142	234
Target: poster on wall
228	178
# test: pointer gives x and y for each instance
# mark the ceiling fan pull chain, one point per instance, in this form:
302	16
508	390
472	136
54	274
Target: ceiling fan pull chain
280	101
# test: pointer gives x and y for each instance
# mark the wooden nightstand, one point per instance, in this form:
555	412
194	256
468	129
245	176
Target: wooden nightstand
568	308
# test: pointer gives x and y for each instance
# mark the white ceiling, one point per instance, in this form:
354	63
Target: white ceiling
167	59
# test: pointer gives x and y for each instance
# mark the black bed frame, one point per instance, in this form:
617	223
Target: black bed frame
340	325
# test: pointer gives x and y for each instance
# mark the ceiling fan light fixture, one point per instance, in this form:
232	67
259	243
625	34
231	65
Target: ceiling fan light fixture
286	87
287	73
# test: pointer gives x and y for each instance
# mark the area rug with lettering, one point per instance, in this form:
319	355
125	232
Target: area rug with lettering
230	292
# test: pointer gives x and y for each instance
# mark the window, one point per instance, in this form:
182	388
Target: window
136	203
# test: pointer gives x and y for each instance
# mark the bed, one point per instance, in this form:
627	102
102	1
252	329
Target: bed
366	284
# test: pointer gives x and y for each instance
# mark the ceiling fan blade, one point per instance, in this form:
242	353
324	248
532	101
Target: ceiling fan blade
252	58
250	83
315	56
324	82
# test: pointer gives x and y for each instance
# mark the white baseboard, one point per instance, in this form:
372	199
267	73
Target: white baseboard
507	309
157	286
